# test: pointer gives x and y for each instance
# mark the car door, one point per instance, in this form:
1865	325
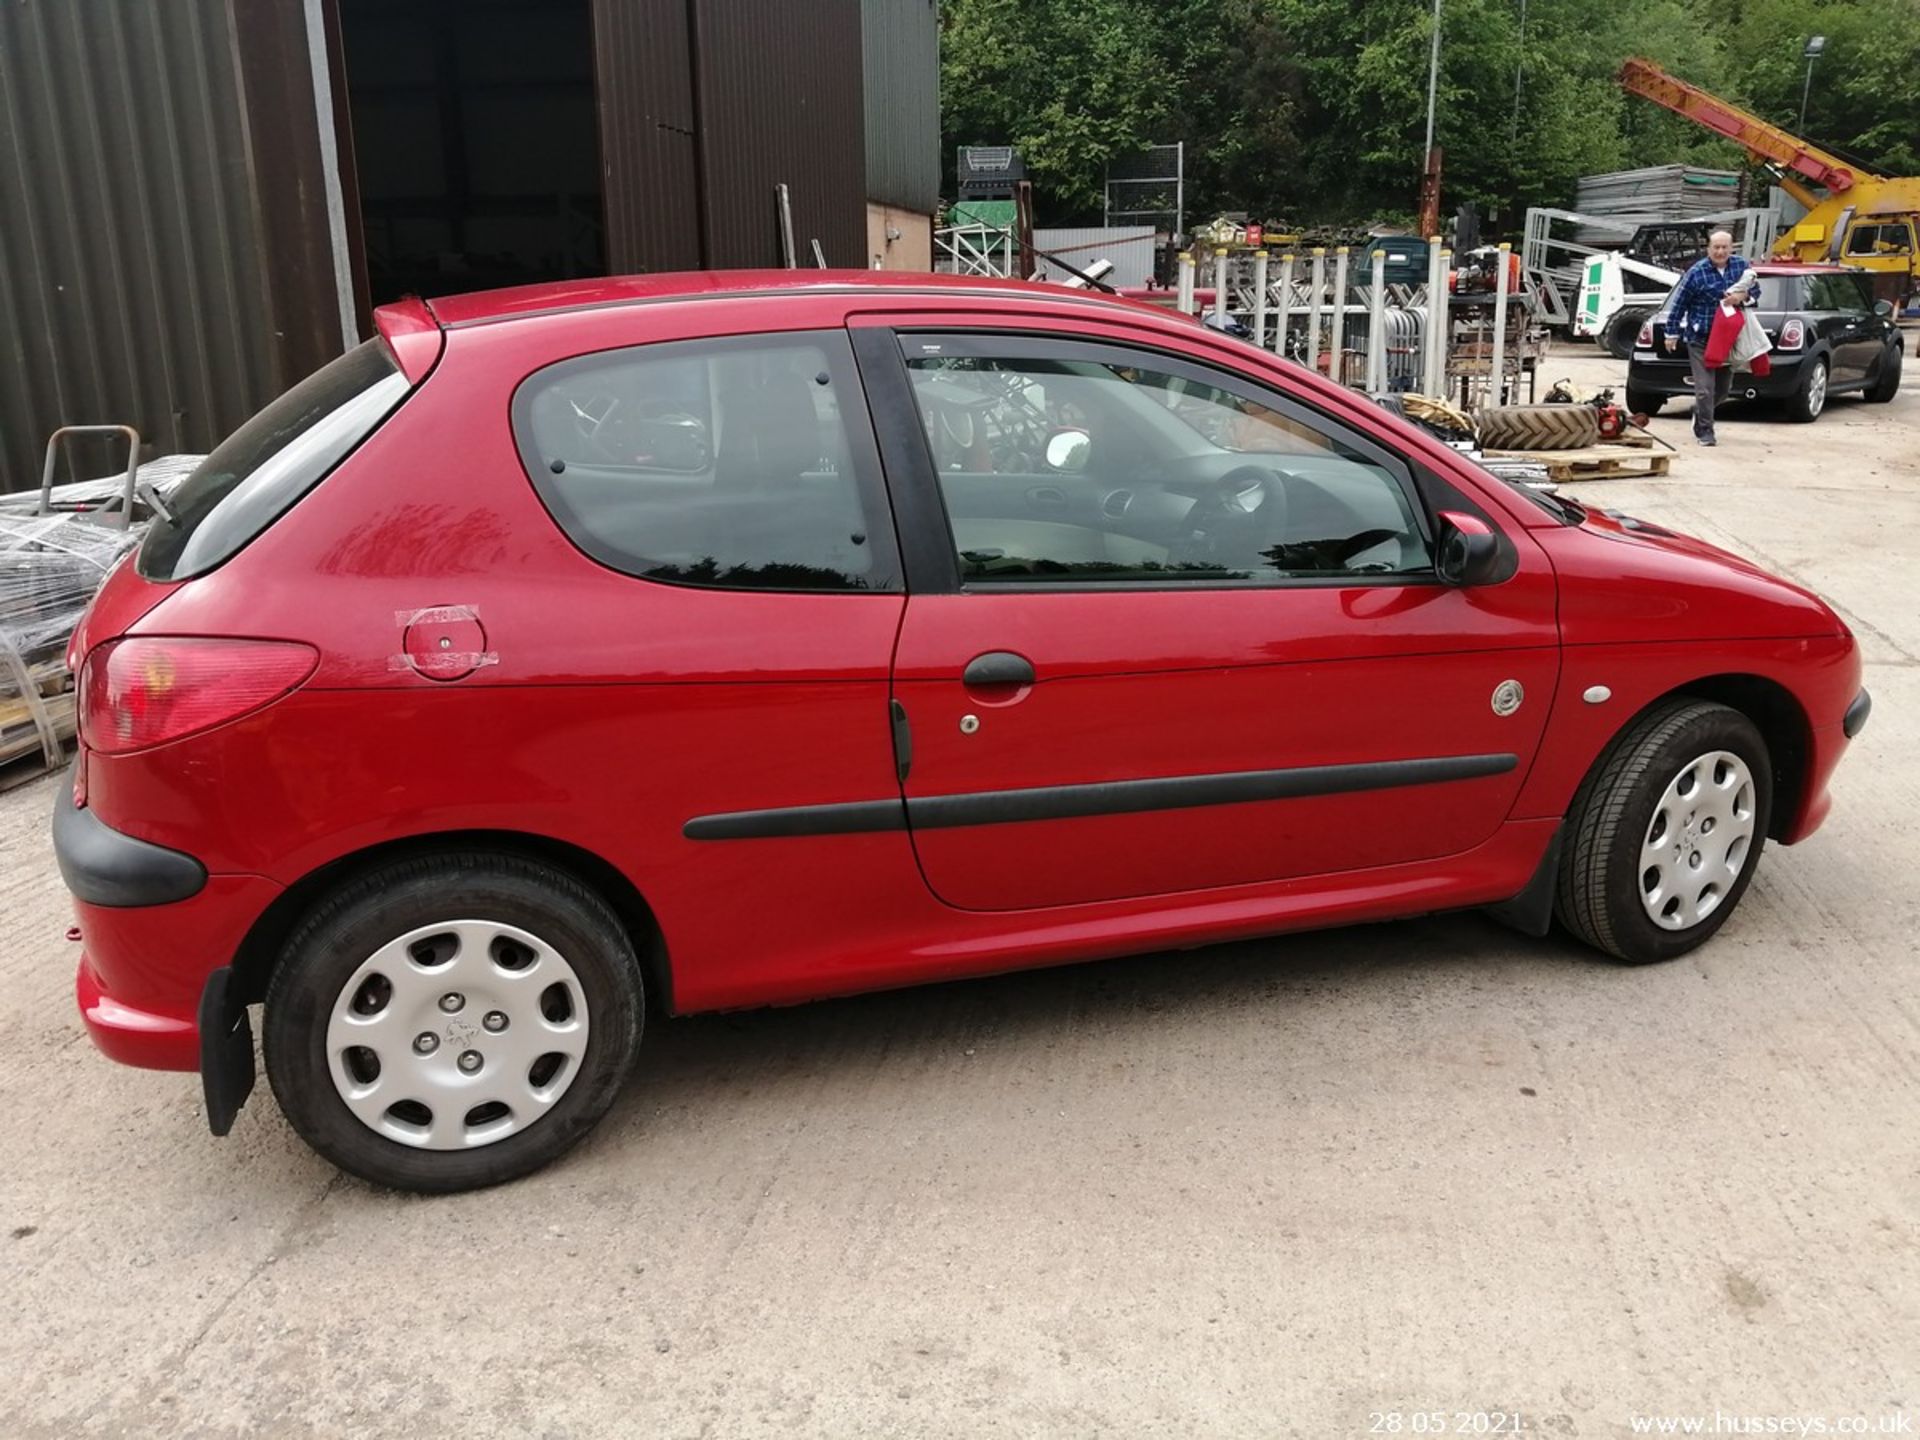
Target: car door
1169	628
1846	318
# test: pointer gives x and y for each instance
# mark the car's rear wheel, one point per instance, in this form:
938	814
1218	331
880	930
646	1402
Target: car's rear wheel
1887	383
1642	402
453	1022
1806	403
1664	835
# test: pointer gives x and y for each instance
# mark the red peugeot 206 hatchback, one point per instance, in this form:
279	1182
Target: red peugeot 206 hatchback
569	655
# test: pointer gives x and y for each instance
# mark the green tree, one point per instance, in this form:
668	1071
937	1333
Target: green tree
1865	98
1314	111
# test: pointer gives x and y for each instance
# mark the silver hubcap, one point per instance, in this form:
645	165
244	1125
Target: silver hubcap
1817	390
1698	841
457	1035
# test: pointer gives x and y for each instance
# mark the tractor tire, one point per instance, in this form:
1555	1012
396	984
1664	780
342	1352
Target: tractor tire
1539	427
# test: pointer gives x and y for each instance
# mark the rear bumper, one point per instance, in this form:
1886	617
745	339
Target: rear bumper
150	1039
104	867
1650	376
153	926
144	969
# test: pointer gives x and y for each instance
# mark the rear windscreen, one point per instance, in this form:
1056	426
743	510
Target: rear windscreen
260	470
1777	292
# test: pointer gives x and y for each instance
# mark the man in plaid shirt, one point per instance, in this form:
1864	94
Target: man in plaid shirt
1689	317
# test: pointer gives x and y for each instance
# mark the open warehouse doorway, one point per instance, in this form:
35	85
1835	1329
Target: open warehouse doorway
471	156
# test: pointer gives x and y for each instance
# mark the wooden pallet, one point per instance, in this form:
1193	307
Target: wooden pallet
20	735
1596	462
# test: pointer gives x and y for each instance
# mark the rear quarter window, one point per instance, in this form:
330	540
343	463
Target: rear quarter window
737	464
261	470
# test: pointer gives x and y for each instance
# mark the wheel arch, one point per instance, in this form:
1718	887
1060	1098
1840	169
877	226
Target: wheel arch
1780	719
259	952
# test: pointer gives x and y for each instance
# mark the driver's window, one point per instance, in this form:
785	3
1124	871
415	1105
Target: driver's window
1087	467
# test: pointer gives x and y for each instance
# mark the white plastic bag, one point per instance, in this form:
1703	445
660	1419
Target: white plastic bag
1751	343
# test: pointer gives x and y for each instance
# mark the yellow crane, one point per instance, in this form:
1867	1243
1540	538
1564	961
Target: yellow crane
1854	216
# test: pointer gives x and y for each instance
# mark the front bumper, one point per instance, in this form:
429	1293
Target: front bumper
1830	743
1651	374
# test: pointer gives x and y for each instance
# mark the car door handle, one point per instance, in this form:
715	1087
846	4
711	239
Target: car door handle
998	667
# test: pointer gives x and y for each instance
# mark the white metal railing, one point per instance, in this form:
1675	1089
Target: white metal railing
974	250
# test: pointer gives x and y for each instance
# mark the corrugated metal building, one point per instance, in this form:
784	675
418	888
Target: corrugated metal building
203	200
900	47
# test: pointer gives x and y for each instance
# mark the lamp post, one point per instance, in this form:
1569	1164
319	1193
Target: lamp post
1430	161
1815	44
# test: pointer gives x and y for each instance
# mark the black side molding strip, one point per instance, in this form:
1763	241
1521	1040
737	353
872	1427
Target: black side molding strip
1067	802
1856	717
103	867
1186	792
853	818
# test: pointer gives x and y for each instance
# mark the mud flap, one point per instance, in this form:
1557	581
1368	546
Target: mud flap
1531	911
226	1051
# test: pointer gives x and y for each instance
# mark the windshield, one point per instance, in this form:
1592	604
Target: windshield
258	472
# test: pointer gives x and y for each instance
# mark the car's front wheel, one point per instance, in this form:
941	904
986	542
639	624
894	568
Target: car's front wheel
1664	835
452	1022
1807	401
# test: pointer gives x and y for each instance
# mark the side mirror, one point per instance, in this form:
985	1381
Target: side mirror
1883	308
1069	450
1469	549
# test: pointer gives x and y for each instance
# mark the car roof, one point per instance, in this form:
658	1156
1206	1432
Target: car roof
489	306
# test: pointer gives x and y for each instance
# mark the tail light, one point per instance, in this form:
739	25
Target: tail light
1645	338
140	692
1793	335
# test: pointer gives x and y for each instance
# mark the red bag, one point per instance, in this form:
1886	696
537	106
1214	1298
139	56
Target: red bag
1727	325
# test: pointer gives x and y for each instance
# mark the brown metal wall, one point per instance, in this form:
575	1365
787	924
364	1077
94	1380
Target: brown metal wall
649	160
289	184
131	288
780	99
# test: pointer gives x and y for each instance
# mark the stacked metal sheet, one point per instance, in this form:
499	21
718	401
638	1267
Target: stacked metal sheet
1658	192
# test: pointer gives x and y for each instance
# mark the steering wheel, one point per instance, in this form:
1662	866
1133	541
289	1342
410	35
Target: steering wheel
1231	517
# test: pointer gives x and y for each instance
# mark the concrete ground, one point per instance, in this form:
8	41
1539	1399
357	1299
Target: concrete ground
1319	1186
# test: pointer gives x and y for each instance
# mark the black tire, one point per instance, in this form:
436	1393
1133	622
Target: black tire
1887	383
1623	330
342	932
1639	402
1599	894
1809	399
